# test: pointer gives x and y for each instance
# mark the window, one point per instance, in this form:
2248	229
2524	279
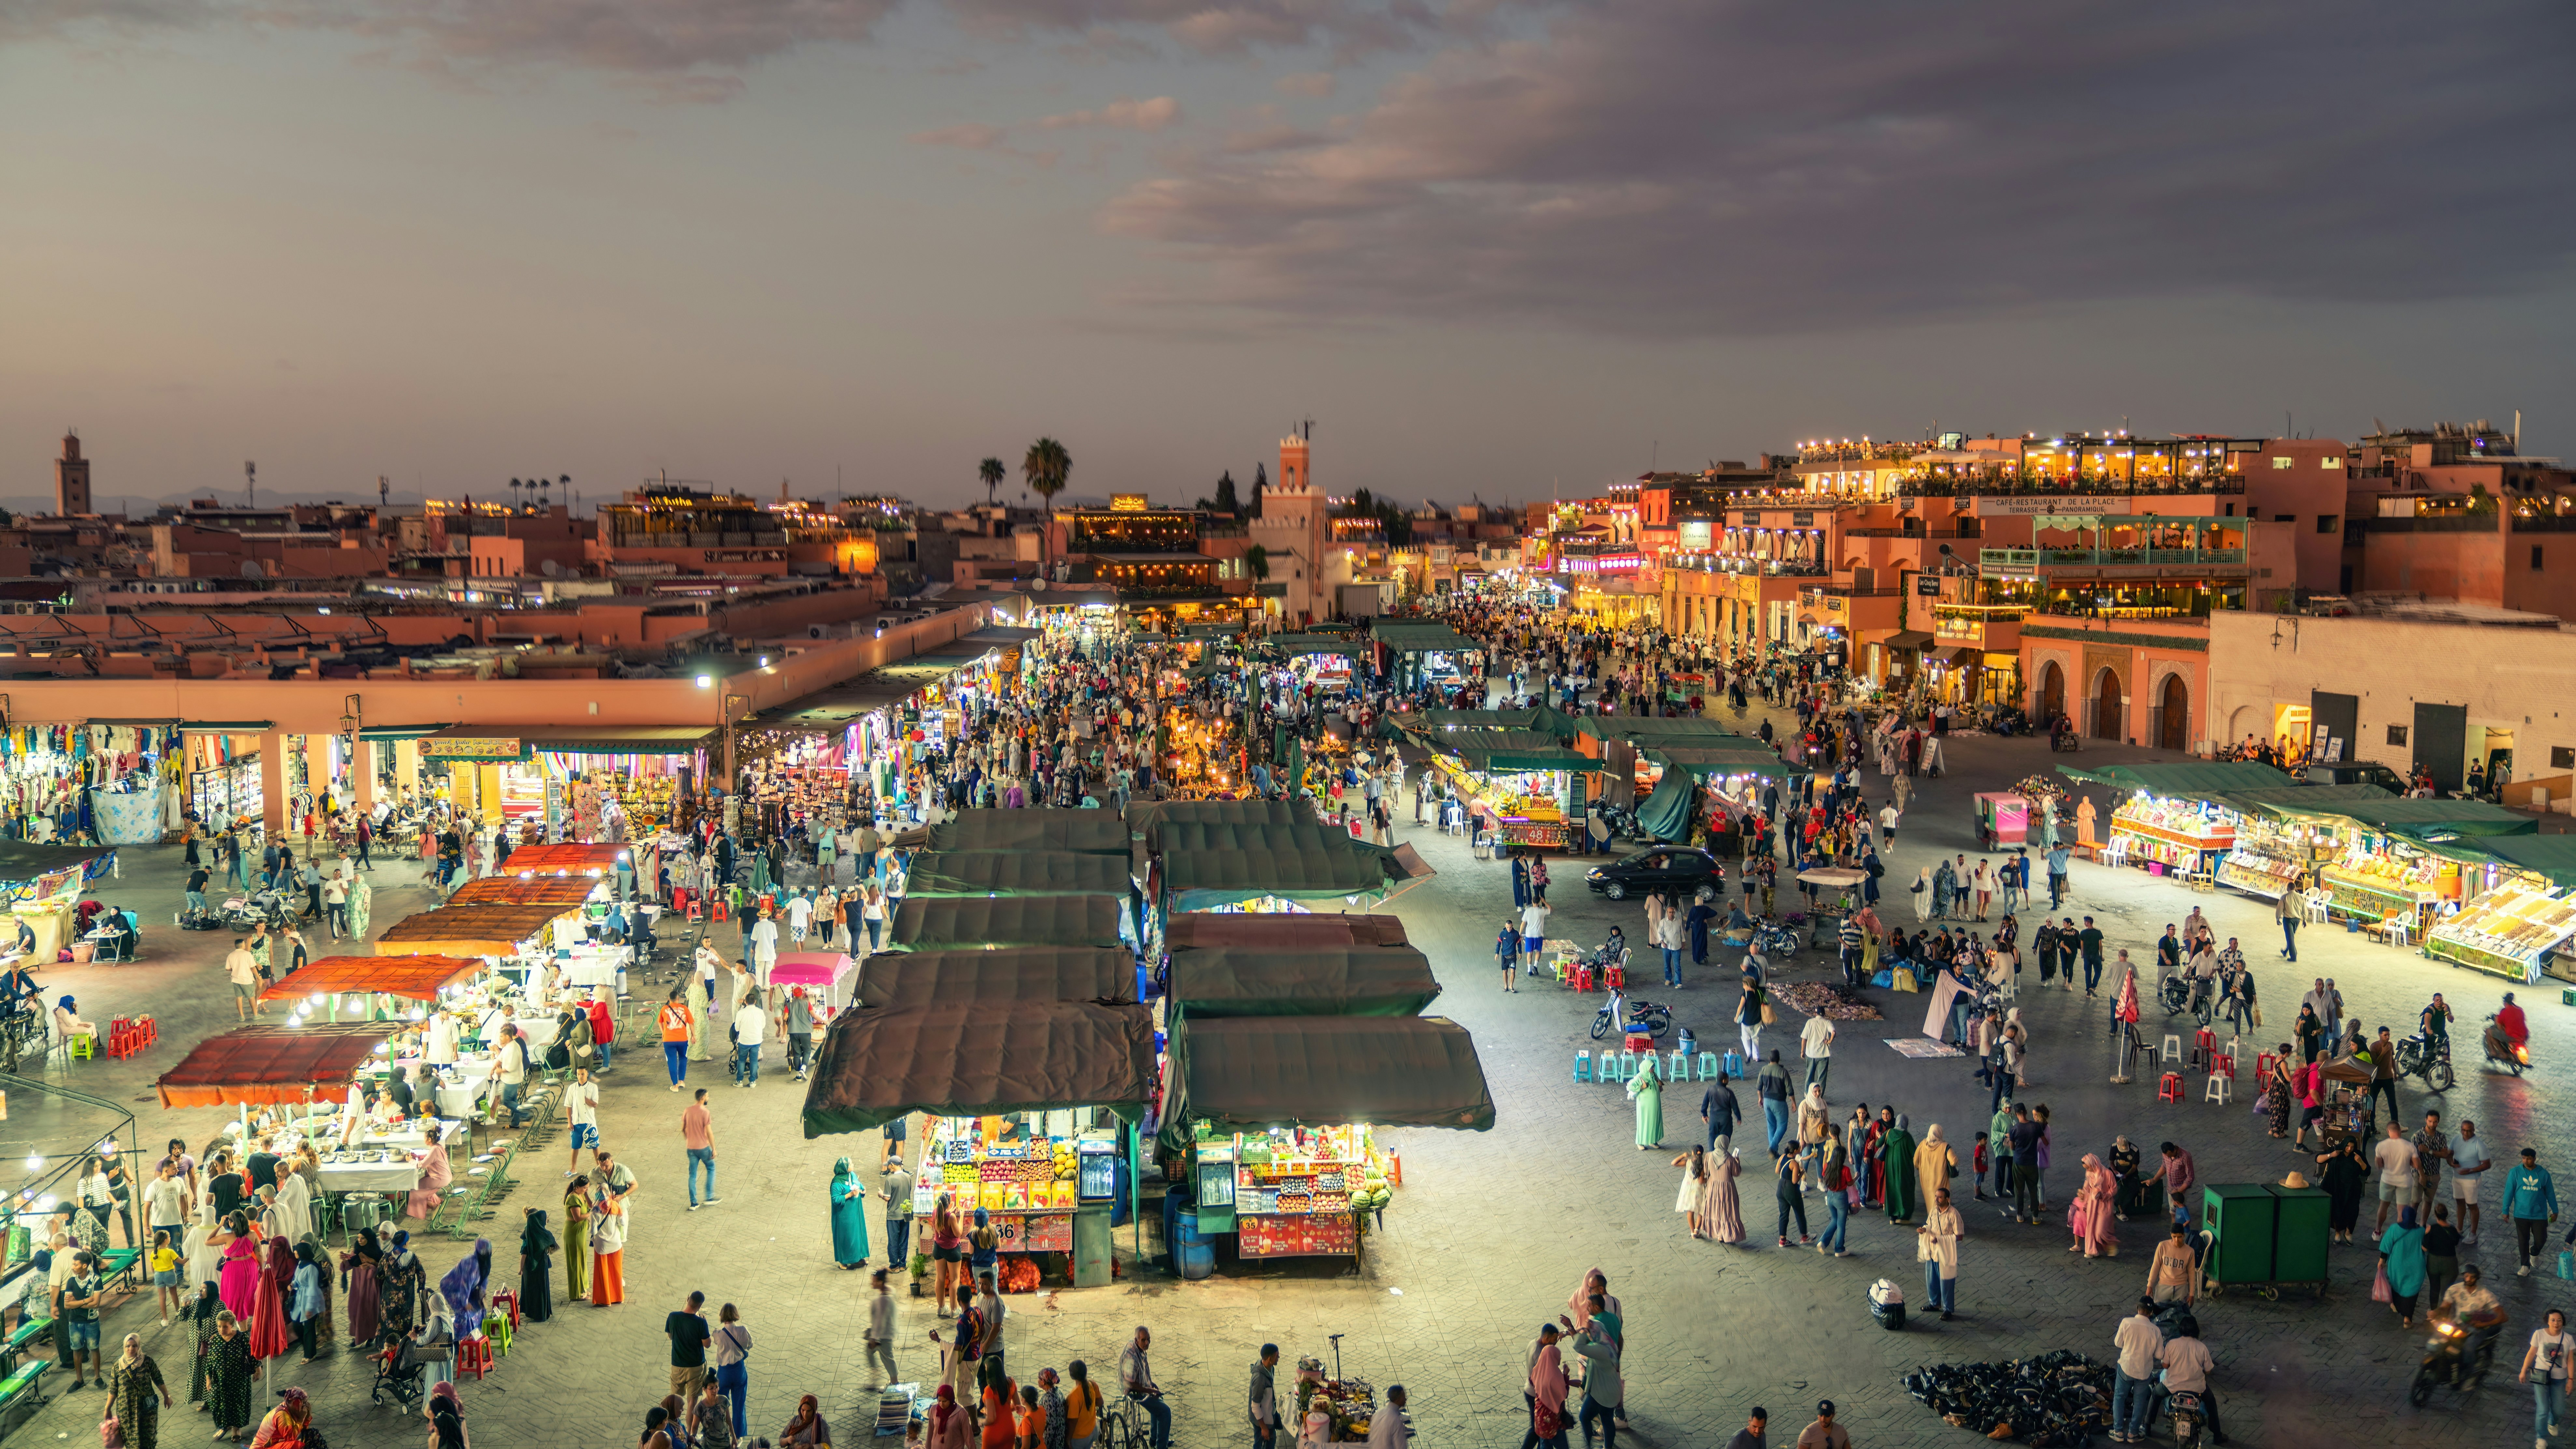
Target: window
2281	465
2397	734
2562	757
2330	464
2535	558
2329	522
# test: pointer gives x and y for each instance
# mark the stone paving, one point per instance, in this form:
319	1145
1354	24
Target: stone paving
1492	1230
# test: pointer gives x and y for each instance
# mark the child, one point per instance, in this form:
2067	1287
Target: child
1507	949
165	1273
1978	1163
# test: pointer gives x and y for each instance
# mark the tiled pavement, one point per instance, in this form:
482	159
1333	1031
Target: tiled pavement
1492	1230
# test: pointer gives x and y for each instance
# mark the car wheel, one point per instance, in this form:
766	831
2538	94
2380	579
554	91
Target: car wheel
1615	890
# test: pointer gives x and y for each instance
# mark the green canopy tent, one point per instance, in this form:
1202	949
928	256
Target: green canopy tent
1015	973
1430	727
1016	873
1093	832
1415	636
2183	780
977	921
1358	981
978	1059
1644	730
1311	930
1252	1073
2425	820
1145	816
1205	866
1707	764
1485	751
2246	802
1665	815
1298	645
2551	857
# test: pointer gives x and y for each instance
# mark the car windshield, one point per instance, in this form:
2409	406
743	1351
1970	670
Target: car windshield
1643	857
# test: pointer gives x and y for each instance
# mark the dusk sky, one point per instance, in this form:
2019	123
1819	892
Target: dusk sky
1491	247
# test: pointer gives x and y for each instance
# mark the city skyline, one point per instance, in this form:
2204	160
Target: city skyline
1493	248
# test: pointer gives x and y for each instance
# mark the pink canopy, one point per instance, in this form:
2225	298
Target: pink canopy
811	968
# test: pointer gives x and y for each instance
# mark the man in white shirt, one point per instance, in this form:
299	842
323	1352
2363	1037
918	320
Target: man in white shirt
581	1109
1533	928
1816	1039
242	969
764	951
2142	1347
165	1200
2468	1169
509	1072
1387	1430
800	917
749	1023
2395	1159
2187	1365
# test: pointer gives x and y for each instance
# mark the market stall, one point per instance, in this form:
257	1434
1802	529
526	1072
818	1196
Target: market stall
1521	785
505	890
820	972
323	984
2398	858
1278	1118
2348	1113
1016	873
1313	931
1355	981
265	1065
515	939
44	884
1145	818
1032	1101
2174	818
1091	832
2273	851
1687	787
1260	868
1419	653
1007	974
979	921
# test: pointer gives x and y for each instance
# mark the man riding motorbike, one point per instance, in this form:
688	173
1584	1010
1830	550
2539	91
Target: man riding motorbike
2476	1309
2507	1033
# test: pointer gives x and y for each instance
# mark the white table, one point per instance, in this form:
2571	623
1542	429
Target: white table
402	1176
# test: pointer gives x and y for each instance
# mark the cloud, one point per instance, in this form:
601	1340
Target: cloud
1317	83
1124	115
975	136
1347	27
1730	167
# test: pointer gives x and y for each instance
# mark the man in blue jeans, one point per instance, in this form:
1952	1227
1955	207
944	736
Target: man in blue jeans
1136	1378
1773	1084
698	1135
2133	1396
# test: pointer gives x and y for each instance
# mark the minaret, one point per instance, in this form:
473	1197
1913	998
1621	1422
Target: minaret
71	479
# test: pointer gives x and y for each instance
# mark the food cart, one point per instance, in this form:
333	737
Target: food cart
1277	1120
1520	785
2002	819
2348	1115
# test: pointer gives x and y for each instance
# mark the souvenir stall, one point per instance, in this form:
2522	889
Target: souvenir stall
44	884
1691	792
601	782
101	781
1278	1123
1033	1105
821	973
1520	785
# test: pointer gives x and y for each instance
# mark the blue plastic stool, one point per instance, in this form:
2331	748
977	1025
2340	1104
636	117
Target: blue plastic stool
1735	1065
1609	1067
1583	1065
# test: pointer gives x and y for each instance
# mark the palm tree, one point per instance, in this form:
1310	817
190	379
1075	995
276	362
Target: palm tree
1046	467
992	472
1256	562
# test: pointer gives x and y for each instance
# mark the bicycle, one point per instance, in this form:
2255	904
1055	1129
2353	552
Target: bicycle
1122	1424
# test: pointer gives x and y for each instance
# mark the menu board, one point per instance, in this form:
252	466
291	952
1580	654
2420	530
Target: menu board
2506	932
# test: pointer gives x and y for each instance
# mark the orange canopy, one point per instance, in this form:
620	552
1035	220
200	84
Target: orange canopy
489	929
262	1064
557	859
507	890
417	977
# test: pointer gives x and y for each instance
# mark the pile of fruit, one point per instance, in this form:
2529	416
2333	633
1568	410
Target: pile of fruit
1021	1170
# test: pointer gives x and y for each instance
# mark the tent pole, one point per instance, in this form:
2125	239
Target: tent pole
1136	1191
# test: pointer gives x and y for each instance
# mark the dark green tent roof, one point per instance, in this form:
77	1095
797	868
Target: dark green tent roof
1250	1073
2415	817
1200	931
1487	750
1016	873
1144	816
1431	727
2247	801
1359	981
2188	780
1413	636
1703	763
2549	856
1211	865
1296	644
1642	730
978	1058
1016	973
1093	832
975	921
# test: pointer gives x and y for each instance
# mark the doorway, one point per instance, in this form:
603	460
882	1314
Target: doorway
2173	718
2107	705
2052	692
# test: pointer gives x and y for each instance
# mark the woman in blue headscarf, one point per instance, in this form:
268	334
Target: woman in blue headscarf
67	1023
463	1288
849	1217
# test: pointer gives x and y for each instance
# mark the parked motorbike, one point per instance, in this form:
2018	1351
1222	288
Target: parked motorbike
2457	1356
2176	996
1774	941
2417	1057
2184	1406
1646	1016
2513	1056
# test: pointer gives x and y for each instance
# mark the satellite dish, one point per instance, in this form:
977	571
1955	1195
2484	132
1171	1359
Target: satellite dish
250	569
551	569
1037	586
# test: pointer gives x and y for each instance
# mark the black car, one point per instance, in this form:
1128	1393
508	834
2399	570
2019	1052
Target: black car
1680	869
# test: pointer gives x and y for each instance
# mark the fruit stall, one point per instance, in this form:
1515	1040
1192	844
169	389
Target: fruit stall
1022	1168
1521	785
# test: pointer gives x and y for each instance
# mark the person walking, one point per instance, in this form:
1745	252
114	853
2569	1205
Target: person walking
1646	1089
676	1020
849	1217
2394	1158
698	1136
2289	910
880	1331
2402	1258
1816	1042
136	1395
1604	1394
2552	1353
1263	1407
1789	1198
2469	1164
1719	1109
2531	1200
1937	1245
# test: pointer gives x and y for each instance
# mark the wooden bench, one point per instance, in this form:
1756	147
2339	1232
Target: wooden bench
22	1393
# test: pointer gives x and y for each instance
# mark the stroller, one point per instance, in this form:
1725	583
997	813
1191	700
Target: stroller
402	1367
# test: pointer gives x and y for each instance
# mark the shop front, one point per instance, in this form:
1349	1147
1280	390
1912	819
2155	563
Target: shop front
110	781
225	789
603	782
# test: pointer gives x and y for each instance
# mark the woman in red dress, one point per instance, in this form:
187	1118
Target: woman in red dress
269	1335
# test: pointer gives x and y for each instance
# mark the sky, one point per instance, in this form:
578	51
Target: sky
1492	248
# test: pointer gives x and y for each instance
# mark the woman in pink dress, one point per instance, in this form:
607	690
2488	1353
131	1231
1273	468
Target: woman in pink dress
2093	1216
239	1284
435	1175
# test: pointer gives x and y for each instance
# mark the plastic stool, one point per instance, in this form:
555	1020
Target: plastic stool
2263	1066
2173	1049
474	1355
1583	978
2170	1088
1627	1066
2204	1044
1734	1066
1583	1065
721	913
2224	1065
1707	1066
2220	1089
1609	1066
1615	977
84	1046
1679	1068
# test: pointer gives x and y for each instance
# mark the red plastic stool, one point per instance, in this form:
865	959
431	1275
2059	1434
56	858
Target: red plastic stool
2204	1045
151	1029
1616	976
1583	978
2263	1066
2170	1089
119	1038
1640	1042
721	914
507	1298
473	1355
2223	1065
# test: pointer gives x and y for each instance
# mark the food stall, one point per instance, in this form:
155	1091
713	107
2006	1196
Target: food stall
1033	1104
1091	832
2176	818
1278	1120
1271	868
44	884
2348	1115
325	986
974	922
515	939
2398	857
302	1074
820	972
1146	818
1008	973
2511	931
1420	653
1353	981
1521	785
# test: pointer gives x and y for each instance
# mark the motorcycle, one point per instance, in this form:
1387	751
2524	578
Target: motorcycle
2184	1406
1774	941
2176	996
2417	1057
1628	1016
2513	1055
2457	1356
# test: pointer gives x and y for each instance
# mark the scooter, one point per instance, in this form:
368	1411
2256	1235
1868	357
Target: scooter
1645	1016
2184	1406
2457	1355
2514	1056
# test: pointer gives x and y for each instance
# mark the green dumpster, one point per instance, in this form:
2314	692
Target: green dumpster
2240	1215
2300	1235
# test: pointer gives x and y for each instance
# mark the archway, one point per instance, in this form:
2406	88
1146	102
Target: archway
2173	715
2106	705
2052	692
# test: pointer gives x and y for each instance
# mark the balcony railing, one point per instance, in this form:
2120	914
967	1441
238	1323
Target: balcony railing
2089	485
2032	558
